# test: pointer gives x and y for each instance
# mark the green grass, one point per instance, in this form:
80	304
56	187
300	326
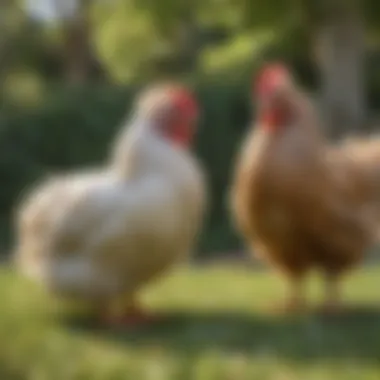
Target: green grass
217	327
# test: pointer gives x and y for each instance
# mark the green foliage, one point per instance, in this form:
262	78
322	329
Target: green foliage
126	40
144	38
236	57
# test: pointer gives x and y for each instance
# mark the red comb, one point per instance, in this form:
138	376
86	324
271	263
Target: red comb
185	101
271	78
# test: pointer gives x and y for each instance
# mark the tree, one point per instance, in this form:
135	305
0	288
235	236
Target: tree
149	38
81	60
340	53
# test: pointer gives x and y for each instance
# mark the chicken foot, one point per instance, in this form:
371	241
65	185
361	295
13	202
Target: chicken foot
124	311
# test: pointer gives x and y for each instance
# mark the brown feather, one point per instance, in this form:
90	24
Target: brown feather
291	202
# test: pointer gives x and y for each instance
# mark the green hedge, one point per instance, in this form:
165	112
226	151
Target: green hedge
75	127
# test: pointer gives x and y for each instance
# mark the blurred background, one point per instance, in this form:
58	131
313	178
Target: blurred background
69	70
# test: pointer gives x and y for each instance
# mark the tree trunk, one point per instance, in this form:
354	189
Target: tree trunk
341	54
81	62
188	42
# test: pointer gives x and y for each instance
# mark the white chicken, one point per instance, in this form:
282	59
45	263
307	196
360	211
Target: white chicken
101	235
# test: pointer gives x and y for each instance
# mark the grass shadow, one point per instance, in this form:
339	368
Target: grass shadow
355	334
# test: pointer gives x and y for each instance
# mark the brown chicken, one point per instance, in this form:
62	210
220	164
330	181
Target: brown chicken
300	203
358	161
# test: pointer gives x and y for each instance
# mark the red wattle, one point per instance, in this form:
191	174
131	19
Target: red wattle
182	135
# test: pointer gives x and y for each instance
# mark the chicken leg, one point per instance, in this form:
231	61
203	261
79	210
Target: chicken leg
332	301
295	301
125	311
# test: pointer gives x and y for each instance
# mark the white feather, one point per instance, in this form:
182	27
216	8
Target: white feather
110	230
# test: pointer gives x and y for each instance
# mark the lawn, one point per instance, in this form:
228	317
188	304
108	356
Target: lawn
218	326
